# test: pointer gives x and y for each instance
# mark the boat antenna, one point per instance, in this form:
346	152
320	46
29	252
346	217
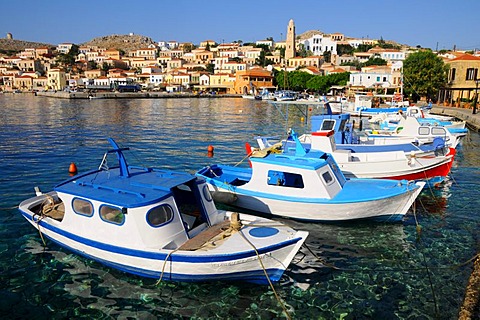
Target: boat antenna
121	158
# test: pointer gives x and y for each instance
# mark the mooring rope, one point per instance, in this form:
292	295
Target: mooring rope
266	275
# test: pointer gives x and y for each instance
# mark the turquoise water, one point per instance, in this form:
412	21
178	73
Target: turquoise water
347	271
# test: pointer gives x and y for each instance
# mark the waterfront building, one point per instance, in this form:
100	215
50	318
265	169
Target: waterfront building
23	83
462	82
253	80
40	83
57	79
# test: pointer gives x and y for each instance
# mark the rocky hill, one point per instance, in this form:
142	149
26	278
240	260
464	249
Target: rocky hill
14	46
308	34
121	42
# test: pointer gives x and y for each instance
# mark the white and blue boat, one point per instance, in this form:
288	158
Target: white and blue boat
160	224
308	188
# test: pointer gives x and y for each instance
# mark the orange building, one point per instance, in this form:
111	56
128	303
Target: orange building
253	80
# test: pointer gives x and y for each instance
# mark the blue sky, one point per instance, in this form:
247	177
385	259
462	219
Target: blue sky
429	23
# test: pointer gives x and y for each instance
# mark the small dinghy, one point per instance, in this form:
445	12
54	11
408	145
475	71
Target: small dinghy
160	224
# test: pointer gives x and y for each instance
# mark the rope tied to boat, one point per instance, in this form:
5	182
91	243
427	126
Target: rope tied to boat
47	206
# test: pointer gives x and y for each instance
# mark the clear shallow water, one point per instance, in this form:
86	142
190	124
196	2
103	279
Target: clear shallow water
382	271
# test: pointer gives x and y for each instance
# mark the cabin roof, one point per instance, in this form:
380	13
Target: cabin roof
291	161
143	186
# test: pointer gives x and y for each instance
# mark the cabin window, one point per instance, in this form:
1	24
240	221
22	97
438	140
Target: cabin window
328	125
284	179
327	177
112	214
424	131
159	215
83	207
438	131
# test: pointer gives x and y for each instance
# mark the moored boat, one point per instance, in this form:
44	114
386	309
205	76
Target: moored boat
160	224
381	163
308	188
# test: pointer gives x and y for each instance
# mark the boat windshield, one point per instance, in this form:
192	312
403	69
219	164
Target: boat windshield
189	204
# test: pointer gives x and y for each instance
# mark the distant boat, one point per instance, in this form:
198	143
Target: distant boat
392	163
160	224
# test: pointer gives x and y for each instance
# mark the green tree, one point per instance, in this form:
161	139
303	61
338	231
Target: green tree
92	65
375	61
323	84
210	68
344	49
68	59
363	48
327	56
298	80
424	73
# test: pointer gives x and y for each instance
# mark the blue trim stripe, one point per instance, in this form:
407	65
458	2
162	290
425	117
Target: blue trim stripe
256	276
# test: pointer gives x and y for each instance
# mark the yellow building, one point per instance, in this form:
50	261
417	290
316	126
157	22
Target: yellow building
461	81
56	79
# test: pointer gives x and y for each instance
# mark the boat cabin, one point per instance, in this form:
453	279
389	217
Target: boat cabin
132	207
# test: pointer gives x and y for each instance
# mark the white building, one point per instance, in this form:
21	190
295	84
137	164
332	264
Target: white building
392	55
319	43
371	80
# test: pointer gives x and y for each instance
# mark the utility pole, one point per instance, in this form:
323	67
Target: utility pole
477	80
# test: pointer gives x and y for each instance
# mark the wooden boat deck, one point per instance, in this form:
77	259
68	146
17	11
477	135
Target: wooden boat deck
200	239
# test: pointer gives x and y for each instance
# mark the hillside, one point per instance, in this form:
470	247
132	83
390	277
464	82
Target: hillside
308	34
120	42
12	45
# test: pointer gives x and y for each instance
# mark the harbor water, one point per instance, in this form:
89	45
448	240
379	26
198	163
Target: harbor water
415	269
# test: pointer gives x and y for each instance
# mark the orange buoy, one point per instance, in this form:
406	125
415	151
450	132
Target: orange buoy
210	154
73	168
210	148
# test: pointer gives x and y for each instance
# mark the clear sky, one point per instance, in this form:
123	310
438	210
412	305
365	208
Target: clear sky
435	24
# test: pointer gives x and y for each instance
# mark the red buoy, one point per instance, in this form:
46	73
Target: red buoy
210	148
72	169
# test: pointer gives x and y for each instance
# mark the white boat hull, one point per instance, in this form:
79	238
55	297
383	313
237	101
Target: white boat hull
387	209
235	259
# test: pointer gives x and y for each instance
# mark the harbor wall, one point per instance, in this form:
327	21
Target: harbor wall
473	120
129	95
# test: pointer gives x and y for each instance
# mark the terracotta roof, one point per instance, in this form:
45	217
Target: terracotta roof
466	56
